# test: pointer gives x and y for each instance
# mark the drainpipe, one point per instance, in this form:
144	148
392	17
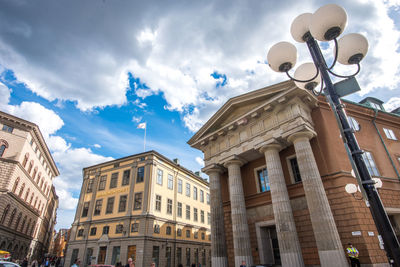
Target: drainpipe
384	145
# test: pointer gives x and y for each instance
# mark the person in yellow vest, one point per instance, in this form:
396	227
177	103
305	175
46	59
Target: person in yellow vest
352	252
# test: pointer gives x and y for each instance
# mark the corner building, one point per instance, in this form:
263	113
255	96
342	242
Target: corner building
145	207
278	170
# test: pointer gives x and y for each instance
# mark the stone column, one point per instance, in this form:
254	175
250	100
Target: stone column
289	245
330	248
218	245
240	228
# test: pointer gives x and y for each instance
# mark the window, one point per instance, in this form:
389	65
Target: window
138	201
26	158
389	134
106	229
196	235
140	175
170	182
188	233
369	161
156	229
125	177
169	206
102	183
194	193
188	257
179	255
201	196
114	180
27	194
74	255
110	205
295	170
156	255
119	228
135	227
85	209
34	173
89	188
180	186
97	208
208	218
15	185
7	128
5	212
93	230
80	232
353	123
195	214
158	203
168	230
2	149
208	198
12	217
188	189
202	216
30	166
179	232
122	203
159	177
263	180
21	190
187	212
375	105
203	236
179	210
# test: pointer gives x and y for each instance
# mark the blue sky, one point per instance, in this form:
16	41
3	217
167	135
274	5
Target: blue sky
88	72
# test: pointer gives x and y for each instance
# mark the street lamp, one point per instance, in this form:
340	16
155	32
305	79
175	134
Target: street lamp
325	25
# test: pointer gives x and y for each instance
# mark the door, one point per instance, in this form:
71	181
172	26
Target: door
269	252
102	255
131	253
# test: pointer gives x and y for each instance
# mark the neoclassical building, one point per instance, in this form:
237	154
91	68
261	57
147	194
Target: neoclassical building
28	200
278	170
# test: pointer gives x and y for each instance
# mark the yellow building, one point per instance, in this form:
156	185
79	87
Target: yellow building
146	207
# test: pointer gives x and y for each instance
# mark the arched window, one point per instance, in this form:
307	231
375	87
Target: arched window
41	184
4	216
31	232
25	160
34	173
30	166
18	220
35	202
12	217
23	224
28	226
21	190
27	194
45	188
38	182
3	147
15	185
32	196
38	178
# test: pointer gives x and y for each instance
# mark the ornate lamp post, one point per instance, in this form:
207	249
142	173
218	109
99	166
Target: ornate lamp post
325	25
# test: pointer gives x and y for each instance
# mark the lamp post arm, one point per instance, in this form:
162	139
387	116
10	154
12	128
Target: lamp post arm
378	212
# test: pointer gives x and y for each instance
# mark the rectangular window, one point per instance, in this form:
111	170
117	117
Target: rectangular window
85	209
106	229
93	231
169	206
140	174
80	232
201	196
188	189
89	188
194	193
125	177
114	180
188	257
179	255
102	183
138	201
122	203
110	205
295	170
7	128
263	180
135	227
159	177
374	105
196	235
115	255
180	186
389	134
208	198
195	214
187	212
74	255
208	218
158	203
170	181
202	216
369	161
97	208
179	210
119	228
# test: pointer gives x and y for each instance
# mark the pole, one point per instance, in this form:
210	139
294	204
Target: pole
144	143
378	212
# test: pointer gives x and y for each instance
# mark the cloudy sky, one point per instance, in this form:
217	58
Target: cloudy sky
89	71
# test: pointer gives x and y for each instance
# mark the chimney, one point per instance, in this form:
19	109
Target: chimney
176	160
197	173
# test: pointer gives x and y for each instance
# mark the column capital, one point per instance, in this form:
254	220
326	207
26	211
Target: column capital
301	135
236	160
273	146
213	168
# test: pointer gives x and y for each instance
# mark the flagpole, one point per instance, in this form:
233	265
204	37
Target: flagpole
144	143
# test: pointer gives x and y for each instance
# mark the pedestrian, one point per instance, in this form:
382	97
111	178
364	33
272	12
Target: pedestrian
34	263
76	263
24	262
243	264
58	261
119	264
153	264
180	265
130	263
353	253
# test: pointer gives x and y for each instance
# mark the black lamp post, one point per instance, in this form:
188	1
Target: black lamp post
326	24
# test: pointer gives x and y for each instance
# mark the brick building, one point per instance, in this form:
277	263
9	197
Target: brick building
278	170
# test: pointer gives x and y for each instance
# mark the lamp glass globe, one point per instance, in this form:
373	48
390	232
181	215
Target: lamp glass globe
300	26
282	56
328	22
350	188
378	183
352	48
304	72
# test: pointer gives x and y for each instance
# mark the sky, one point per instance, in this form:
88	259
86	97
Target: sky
89	71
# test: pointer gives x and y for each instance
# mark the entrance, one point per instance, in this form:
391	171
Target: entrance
131	253
102	255
269	252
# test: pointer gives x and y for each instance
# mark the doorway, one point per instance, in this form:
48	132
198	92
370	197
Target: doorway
102	255
131	253
268	245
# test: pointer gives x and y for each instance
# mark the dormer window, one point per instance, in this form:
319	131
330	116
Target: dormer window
375	105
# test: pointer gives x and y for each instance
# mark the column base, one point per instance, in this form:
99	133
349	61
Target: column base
247	259
219	261
332	258
292	259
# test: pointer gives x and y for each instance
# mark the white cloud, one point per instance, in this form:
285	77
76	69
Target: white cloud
97	146
200	161
392	104
136	119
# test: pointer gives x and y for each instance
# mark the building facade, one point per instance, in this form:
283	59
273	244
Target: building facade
27	170
60	243
278	170
145	207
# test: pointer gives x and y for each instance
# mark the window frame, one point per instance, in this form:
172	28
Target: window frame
389	134
187	212
258	182
354	124
179	210
187	189
371	167
137	200
93	231
169	206
160	176
98	206
123	199
126	175
85	210
170	182
110	204
158	203
140	174
102	183
114	180
180	186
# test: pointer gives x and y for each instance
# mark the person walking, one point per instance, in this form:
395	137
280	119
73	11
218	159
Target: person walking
76	263
130	263
243	264
153	264
353	253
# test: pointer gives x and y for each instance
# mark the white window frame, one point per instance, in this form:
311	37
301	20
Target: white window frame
389	134
256	178
354	124
170	182
160	174
201	196
187	189
194	192
180	185
370	162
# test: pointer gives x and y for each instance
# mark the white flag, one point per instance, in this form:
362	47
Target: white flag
141	125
